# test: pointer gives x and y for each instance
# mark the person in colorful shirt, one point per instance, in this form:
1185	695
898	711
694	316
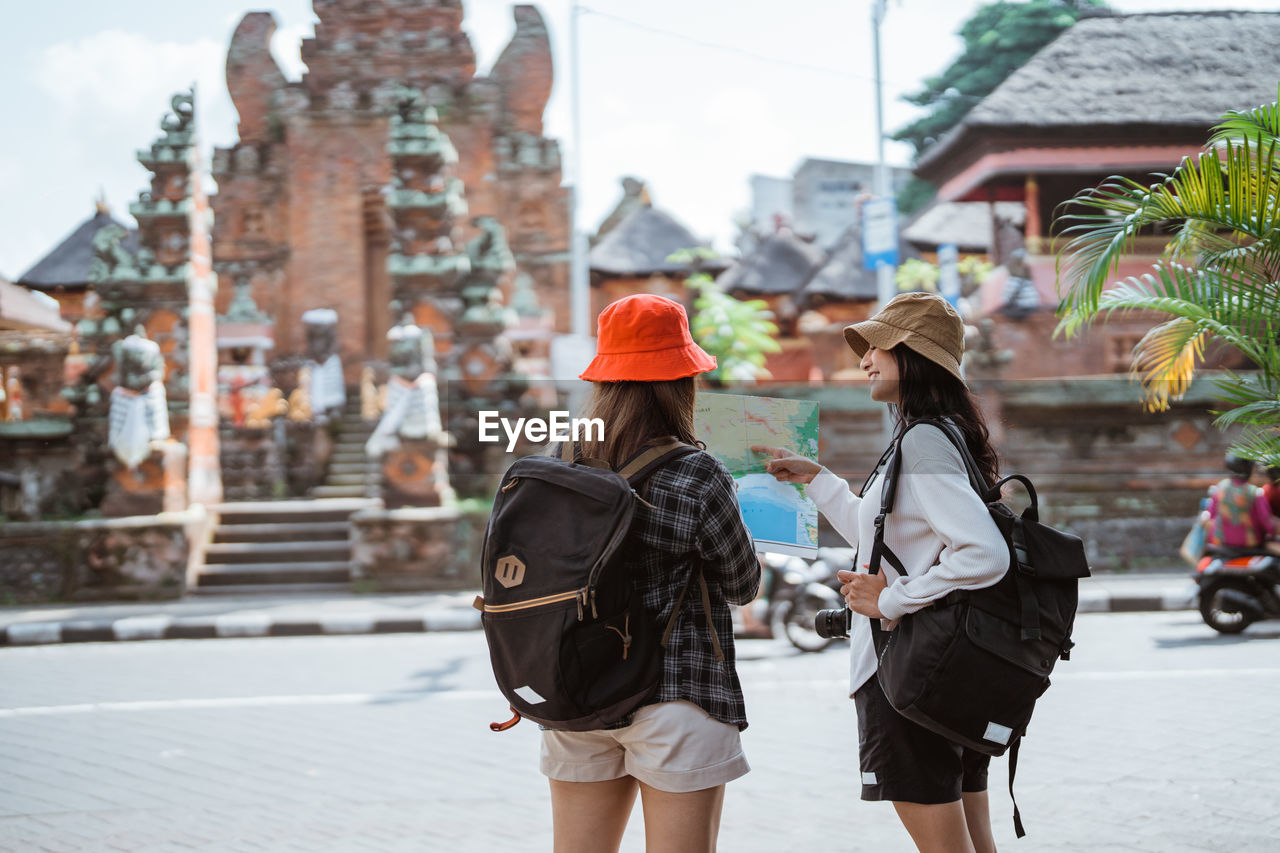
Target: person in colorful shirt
1239	514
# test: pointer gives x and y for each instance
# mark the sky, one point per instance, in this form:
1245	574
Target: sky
692	97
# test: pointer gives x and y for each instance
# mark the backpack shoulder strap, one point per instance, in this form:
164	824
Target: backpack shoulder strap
644	463
635	471
894	467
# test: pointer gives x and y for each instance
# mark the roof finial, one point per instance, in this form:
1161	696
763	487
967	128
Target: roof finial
100	204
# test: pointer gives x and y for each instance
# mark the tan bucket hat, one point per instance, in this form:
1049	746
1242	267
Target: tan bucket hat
924	322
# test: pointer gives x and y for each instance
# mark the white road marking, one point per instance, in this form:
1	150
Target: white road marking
245	702
492	694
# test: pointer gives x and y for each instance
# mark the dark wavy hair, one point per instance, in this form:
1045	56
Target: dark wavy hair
926	389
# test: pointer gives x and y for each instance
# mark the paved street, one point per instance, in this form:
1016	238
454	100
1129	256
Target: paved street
1158	736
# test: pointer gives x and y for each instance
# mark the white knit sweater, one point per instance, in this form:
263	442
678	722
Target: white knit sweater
939	528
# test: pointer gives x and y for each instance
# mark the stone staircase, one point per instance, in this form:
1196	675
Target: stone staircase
300	545
350	473
280	546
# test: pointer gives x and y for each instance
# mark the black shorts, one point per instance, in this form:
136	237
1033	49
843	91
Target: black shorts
903	762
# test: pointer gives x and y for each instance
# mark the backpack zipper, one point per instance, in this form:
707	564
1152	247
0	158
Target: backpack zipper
537	602
594	574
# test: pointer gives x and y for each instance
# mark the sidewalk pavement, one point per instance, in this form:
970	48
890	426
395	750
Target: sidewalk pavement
307	615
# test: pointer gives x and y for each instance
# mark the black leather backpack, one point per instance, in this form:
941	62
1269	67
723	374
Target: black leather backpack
572	645
971	666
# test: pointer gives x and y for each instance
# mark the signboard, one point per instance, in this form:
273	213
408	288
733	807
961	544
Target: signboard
949	273
879	233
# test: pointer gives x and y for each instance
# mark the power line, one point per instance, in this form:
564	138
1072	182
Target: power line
772	60
759	57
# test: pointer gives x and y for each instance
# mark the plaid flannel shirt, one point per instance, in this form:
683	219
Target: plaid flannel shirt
693	515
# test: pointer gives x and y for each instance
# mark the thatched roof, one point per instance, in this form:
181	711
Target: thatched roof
641	243
967	224
842	276
783	263
67	264
1160	70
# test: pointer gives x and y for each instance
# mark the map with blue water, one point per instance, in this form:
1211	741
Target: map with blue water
781	518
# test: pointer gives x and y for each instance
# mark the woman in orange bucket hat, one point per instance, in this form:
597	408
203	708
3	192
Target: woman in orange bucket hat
680	748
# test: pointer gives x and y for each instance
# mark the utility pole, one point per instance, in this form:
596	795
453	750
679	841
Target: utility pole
884	272
570	354
579	288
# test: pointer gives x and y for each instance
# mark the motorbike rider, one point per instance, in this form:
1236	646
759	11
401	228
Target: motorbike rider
1239	514
1272	490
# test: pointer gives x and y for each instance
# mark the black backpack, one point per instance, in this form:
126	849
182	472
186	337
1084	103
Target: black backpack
572	645
971	666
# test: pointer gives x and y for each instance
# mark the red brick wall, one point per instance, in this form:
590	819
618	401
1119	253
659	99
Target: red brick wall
303	184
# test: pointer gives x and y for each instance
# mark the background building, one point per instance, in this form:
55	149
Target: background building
819	200
1127	95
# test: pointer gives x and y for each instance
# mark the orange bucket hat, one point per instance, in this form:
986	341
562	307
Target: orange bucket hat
645	338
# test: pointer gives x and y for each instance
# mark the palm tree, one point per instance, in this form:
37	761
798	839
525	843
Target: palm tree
1218	280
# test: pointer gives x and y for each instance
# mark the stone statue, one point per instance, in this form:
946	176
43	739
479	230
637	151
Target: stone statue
109	256
524	299
1020	298
412	399
139	410
490	259
489	251
981	352
328	390
183	104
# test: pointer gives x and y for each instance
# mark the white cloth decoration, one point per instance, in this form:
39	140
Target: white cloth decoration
413	411
136	420
328	388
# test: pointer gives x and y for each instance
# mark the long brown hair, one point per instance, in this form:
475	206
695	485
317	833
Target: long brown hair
637	412
928	390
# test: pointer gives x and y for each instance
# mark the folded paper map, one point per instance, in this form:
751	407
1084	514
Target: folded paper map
781	518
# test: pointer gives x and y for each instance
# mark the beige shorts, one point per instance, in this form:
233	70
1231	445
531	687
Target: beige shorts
672	746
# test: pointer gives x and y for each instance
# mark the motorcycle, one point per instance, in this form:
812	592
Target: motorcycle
1237	588
795	591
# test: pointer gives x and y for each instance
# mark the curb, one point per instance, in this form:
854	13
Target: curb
230	625
256	624
1170	598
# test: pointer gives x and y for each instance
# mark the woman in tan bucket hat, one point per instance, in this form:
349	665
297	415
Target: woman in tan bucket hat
945	538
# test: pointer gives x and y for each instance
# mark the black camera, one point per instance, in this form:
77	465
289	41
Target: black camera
833	624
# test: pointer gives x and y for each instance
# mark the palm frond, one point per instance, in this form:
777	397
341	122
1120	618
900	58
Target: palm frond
1259	412
1260	445
1242	390
1262	120
1165	360
1219	278
1215	193
1184	293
